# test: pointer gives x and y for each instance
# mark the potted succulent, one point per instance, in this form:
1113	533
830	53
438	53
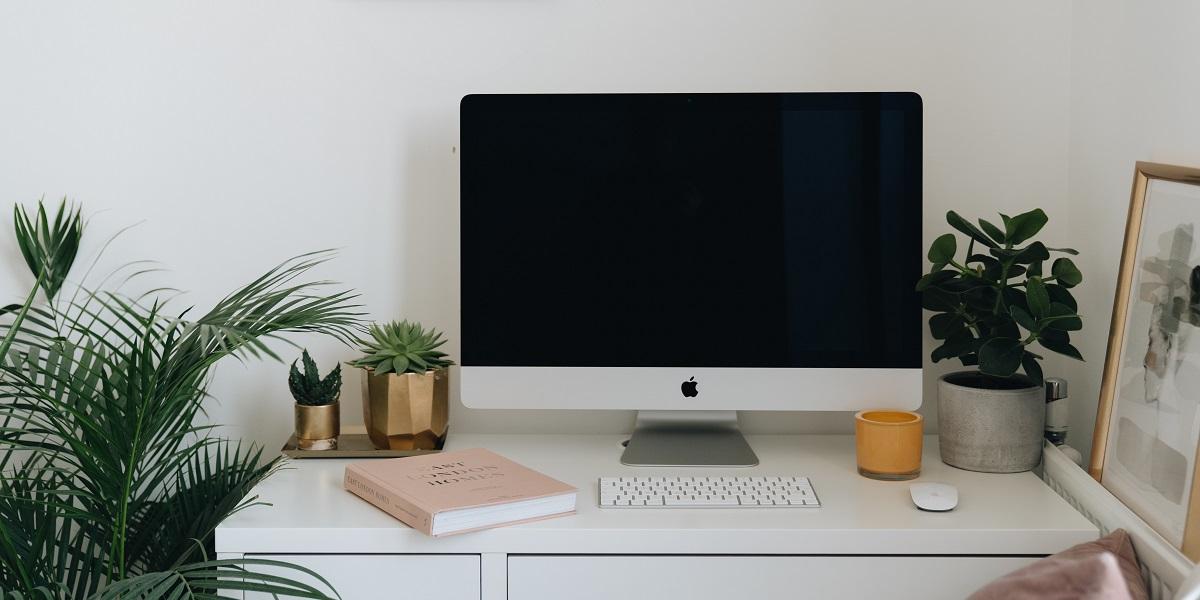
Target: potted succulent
406	387
318	417
990	309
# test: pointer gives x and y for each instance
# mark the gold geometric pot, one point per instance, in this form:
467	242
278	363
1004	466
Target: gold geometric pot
318	427
406	412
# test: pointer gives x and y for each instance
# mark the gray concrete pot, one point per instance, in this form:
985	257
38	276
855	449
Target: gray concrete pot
990	424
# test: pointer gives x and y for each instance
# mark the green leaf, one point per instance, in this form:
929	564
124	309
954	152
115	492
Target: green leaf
943	325
1070	251
942	250
49	248
1000	356
934	279
1032	368
203	578
982	258
962	285
938	300
1015	297
1032	253
1056	345
1001	327
958	344
310	368
1061	317
1067	274
980	300
970	230
400	364
1060	294
992	231
418	363
1024	226
1039	299
1023	318
1054	335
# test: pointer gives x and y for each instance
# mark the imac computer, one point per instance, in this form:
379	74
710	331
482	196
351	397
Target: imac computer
688	256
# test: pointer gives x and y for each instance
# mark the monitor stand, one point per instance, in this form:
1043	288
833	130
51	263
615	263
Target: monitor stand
688	438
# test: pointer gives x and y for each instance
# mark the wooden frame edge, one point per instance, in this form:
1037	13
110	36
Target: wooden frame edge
1143	173
1116	328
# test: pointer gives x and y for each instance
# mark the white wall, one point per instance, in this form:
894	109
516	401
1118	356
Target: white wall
1134	90
240	133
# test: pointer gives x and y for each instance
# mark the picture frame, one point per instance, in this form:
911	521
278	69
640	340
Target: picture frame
1144	450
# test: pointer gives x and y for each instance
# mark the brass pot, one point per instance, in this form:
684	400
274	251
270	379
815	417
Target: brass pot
317	427
406	412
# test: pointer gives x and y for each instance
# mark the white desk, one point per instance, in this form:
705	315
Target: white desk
867	538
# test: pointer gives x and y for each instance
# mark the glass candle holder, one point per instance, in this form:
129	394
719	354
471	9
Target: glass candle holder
888	444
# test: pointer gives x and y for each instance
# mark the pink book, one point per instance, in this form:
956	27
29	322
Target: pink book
460	491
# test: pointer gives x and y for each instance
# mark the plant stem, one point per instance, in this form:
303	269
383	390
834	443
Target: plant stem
968	320
1044	280
966	270
16	324
120	527
1000	289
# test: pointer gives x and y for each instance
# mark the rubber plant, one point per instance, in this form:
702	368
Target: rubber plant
998	306
110	486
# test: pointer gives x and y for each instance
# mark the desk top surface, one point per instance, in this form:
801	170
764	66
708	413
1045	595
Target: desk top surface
1011	514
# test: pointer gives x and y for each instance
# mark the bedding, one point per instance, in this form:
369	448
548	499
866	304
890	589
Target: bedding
1103	569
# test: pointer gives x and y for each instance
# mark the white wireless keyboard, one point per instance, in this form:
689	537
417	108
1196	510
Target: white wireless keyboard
706	492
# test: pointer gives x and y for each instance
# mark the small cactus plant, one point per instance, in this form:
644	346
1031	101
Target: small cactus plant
402	347
309	389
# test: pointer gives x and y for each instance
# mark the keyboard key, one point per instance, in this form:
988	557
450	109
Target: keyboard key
699	502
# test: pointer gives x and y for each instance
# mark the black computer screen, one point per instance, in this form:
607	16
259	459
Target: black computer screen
681	230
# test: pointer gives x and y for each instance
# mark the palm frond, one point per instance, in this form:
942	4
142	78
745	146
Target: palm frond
19	315
36	594
109	486
205	579
49	247
205	490
42	546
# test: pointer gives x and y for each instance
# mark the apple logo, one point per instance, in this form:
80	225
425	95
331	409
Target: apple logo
689	388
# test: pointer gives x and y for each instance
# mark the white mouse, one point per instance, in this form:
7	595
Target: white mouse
935	497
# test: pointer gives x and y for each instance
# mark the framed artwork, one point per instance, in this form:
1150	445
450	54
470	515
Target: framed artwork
1148	422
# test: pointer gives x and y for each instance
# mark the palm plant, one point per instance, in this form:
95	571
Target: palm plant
110	489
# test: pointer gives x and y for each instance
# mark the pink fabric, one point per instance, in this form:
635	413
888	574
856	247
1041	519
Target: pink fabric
1104	569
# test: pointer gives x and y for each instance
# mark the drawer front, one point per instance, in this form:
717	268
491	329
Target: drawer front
364	576
723	577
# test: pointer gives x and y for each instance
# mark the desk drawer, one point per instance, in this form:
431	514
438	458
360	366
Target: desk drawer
532	577
365	576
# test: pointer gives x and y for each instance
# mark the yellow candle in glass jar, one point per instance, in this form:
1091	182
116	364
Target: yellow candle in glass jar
888	443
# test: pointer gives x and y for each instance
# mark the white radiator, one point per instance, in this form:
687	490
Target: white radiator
1163	567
